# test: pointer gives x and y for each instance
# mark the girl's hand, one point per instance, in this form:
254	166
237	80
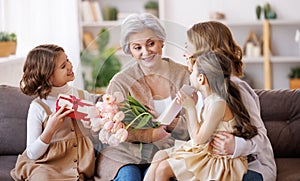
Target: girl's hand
55	121
185	100
195	96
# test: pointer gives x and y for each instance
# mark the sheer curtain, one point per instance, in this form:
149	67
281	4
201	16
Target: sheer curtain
44	21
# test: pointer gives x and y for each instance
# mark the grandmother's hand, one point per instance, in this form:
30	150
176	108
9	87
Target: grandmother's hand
161	138
173	124
160	133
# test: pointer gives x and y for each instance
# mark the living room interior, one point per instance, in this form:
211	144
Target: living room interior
67	24
267	31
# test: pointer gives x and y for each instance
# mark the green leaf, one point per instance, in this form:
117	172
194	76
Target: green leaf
140	109
133	101
135	110
143	121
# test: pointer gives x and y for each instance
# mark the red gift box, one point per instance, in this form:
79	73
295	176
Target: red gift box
80	106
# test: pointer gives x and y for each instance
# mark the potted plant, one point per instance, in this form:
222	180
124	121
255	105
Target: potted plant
100	66
152	7
110	13
5	44
294	76
13	41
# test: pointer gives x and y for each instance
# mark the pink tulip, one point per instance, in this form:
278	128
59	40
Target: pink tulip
119	116
117	126
110	99
108	125
110	108
96	124
108	115
113	141
115	108
122	134
100	106
104	135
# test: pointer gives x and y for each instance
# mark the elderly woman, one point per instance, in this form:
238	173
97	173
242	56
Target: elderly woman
153	81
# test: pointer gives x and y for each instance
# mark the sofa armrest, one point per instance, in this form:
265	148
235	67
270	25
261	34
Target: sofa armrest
13	115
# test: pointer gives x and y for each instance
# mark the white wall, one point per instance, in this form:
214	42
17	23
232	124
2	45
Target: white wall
44	22
184	13
188	12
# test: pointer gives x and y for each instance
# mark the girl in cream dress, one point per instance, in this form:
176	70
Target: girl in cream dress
222	110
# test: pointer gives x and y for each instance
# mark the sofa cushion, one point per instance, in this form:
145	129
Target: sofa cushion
7	163
288	169
13	115
281	115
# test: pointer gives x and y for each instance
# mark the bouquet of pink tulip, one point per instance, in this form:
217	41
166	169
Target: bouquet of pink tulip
114	115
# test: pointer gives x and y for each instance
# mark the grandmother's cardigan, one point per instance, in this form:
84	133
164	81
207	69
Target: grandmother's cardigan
131	80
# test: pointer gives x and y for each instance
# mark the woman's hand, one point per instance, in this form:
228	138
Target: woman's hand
160	133
223	143
55	121
153	112
185	100
161	138
173	124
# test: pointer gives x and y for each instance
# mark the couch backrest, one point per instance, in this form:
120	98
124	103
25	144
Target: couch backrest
280	111
13	115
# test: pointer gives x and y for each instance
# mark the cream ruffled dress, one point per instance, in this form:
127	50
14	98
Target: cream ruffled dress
196	162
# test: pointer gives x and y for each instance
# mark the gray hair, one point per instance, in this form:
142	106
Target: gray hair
136	23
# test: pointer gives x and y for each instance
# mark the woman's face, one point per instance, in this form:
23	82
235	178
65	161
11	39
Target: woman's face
145	47
63	71
194	76
189	50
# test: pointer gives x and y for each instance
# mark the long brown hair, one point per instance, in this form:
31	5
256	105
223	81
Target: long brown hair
37	70
215	36
217	69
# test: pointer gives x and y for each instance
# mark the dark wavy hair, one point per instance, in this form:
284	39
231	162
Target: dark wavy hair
37	70
215	36
217	69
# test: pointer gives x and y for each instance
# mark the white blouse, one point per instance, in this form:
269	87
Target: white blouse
161	105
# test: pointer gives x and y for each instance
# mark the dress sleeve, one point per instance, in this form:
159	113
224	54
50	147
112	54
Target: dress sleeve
35	146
